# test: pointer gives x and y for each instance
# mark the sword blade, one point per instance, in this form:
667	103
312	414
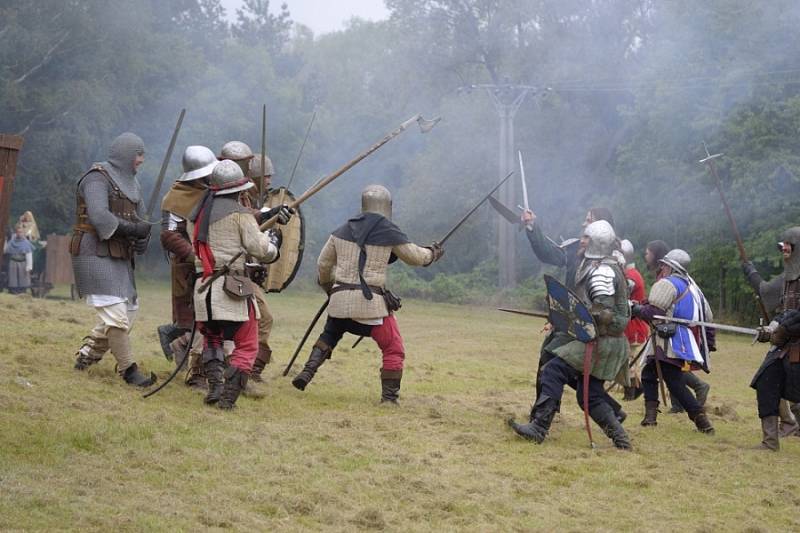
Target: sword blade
524	186
538	314
465	217
721	327
505	212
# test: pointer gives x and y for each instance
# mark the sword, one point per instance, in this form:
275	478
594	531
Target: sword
465	217
524	187
721	327
179	367
538	314
151	205
305	336
504	212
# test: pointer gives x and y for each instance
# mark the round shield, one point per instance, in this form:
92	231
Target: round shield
281	273
567	313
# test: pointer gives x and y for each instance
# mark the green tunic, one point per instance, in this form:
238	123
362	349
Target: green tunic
612	350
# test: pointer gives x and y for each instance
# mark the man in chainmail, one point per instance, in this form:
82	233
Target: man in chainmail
108	233
601	286
779	375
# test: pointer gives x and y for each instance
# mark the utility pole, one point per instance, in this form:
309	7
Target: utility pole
507	98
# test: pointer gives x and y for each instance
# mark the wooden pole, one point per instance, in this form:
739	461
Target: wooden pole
10	145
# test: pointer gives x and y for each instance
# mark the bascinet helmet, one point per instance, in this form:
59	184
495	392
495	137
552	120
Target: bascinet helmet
198	162
228	178
376	199
602	240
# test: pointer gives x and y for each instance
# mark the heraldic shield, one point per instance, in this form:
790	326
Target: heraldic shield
567	313
281	273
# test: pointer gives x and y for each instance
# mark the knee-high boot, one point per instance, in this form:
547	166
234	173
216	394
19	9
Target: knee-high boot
319	354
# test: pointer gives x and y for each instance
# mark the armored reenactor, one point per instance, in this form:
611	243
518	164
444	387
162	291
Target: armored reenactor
108	233
778	377
567	255
637	331
225	310
250	164
675	350
352	269
601	286
176	207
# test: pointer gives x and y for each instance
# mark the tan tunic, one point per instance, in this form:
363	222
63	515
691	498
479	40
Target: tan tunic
227	237
338	263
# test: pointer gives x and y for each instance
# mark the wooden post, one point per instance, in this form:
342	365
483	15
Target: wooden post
10	145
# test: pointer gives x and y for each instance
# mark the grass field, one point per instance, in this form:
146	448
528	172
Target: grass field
85	451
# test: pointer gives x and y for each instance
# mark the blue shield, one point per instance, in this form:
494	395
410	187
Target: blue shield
568	314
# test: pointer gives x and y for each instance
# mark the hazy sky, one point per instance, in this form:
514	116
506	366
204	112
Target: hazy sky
323	15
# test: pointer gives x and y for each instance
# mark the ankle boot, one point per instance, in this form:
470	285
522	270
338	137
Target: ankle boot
769	430
650	413
213	365
262	360
235	382
390	385
702	422
132	376
319	354
195	376
604	416
536	430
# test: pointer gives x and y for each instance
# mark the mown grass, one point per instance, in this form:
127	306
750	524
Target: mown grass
84	451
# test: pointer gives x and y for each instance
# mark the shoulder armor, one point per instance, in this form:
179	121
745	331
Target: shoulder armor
601	282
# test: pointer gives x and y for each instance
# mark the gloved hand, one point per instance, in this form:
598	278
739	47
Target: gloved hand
275	237
765	332
779	337
134	230
283	212
437	250
748	268
140	245
636	309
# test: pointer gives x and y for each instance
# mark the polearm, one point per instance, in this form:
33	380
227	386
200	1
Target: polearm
538	314
261	191
709	161
305	335
424	125
459	223
151	205
299	155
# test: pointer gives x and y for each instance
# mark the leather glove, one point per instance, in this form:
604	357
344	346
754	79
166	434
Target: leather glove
135	230
437	250
275	237
283	212
636	310
140	245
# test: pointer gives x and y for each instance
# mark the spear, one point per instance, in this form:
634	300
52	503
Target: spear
424	125
261	190
709	161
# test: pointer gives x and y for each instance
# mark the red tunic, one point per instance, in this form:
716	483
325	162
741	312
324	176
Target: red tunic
637	331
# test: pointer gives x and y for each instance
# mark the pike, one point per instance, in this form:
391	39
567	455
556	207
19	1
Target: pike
261	191
424	125
151	205
460	222
299	155
721	327
709	162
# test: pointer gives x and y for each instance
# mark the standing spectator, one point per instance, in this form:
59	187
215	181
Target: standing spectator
20	261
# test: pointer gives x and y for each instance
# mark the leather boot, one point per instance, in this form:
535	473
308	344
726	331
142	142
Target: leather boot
90	352
196	376
262	360
390	385
701	391
769	429
604	416
166	334
787	424
213	365
235	383
132	376
319	354
536	430
702	422
650	413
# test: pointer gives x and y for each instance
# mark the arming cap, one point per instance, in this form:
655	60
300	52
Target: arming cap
602	240
376	199
228	178
235	151
677	259
198	162
255	166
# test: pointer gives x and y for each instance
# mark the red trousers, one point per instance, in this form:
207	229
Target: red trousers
243	334
387	336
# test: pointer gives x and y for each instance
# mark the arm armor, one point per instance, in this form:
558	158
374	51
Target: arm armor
601	282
